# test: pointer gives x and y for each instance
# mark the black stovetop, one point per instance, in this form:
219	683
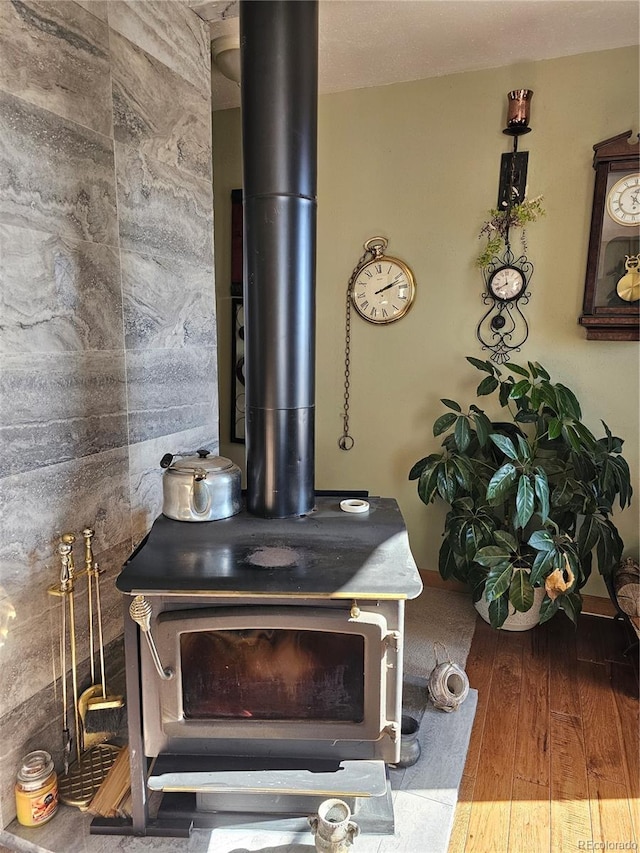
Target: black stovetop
328	553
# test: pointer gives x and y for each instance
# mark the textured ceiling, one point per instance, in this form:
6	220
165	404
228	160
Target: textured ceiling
377	42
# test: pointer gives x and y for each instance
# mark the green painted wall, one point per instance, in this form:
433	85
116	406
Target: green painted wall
419	162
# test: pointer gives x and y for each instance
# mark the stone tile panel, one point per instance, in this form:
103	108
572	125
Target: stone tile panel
171	391
38	506
30	656
159	112
96	7
60	407
162	211
56	55
169	31
167	303
55	175
58	294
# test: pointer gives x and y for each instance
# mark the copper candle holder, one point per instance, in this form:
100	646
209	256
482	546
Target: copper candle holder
519	108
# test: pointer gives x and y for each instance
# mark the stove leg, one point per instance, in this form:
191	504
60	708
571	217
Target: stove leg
140	806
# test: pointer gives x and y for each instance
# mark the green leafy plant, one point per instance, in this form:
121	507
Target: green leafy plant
530	497
500	222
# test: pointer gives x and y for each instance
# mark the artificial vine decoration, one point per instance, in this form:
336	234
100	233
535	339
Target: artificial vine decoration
499	224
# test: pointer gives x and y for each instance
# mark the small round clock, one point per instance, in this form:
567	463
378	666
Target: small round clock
506	283
383	288
623	200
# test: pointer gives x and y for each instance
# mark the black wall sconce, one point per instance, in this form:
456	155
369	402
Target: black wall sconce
513	165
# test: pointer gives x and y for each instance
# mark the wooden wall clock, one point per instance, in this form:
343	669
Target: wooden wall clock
611	308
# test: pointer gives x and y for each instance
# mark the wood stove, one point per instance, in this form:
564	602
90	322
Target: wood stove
276	679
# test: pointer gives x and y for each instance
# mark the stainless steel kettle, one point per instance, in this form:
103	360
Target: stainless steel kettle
200	488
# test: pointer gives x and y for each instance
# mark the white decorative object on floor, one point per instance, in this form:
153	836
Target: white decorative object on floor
448	682
332	827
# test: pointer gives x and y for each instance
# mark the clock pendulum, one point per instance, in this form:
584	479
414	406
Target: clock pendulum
628	288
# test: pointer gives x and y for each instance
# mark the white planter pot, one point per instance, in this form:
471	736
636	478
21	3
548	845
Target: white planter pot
516	621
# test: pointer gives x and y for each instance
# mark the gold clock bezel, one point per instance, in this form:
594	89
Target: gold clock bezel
381	258
611	193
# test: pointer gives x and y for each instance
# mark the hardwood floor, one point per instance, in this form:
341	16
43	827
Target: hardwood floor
554	757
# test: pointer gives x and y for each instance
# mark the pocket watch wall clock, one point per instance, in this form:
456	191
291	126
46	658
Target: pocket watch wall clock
611	303
381	289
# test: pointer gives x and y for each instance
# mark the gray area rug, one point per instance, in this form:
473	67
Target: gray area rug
424	795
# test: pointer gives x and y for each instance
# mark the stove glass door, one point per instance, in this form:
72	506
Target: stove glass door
272	674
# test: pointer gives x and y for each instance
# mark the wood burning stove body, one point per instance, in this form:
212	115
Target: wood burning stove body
283	641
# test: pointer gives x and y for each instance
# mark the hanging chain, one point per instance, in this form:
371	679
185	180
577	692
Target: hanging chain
346	441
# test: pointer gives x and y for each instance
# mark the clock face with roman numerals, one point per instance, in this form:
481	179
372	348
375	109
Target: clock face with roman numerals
623	200
383	290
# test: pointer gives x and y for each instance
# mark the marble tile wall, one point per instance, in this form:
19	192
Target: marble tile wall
107	312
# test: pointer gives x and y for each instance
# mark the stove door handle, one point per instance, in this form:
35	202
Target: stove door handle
140	611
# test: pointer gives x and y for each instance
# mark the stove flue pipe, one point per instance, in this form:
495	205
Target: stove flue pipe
279	56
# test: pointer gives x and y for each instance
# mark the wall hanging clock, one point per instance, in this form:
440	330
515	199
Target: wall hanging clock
381	289
503	327
611	304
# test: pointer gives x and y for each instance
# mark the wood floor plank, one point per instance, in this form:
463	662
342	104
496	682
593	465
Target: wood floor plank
491	808
603	748
529	828
616	642
563	677
610	815
590	639
570	814
479	668
532	745
593	722
625	691
458	839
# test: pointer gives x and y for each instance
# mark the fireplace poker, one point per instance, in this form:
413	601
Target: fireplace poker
62	591
65	550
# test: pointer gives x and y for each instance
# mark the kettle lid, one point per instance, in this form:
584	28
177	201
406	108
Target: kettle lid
203	461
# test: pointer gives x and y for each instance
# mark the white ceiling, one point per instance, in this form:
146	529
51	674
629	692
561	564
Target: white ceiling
377	42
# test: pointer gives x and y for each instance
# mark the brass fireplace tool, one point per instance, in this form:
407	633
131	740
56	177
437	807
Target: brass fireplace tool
93	758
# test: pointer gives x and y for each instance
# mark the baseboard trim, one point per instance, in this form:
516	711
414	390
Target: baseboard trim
434	581
593	605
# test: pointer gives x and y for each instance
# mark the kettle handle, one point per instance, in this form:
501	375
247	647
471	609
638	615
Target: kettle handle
166	460
201	501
